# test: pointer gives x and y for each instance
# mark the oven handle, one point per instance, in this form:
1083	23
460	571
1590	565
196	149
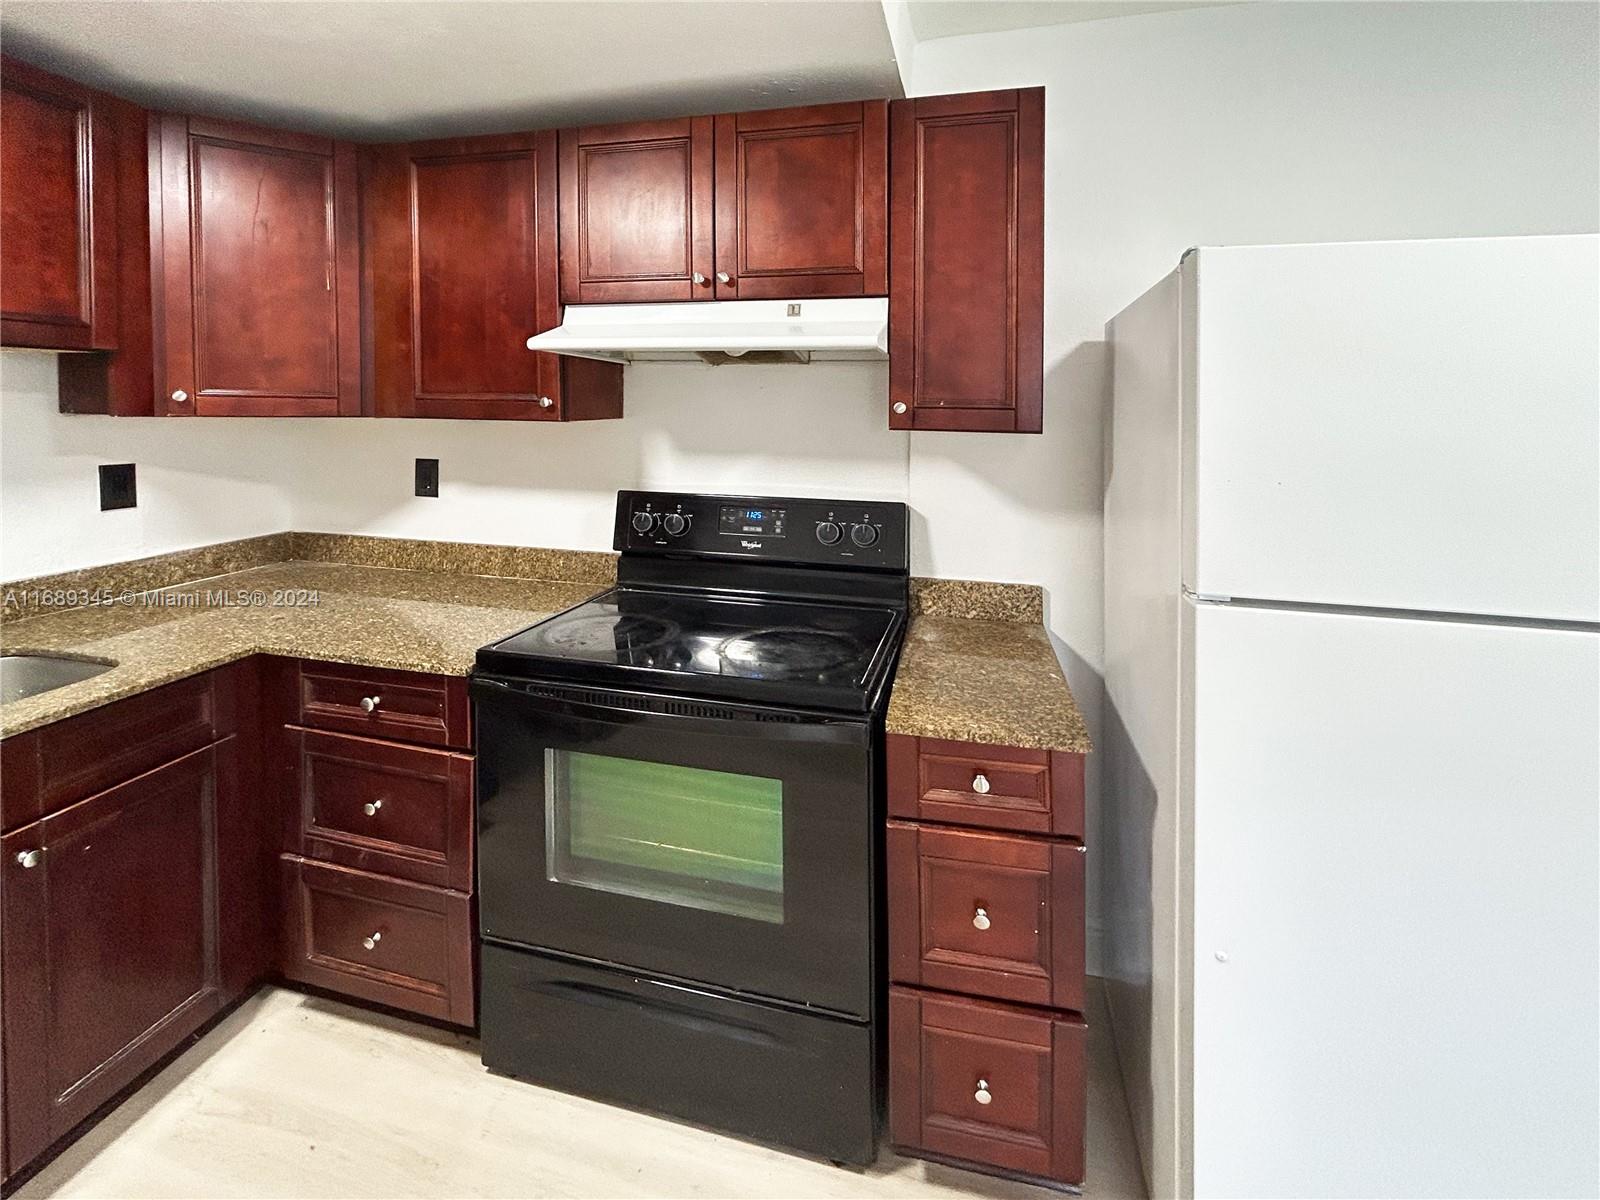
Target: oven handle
810	729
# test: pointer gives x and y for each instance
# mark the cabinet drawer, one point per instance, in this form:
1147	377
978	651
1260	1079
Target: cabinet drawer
59	764
379	939
430	710
992	787
987	1083
987	914
378	806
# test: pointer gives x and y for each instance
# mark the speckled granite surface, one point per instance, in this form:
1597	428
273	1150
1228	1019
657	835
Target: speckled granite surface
410	620
977	666
71	589
984	681
469	558
977	600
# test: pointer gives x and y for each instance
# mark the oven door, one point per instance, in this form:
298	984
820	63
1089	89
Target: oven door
716	843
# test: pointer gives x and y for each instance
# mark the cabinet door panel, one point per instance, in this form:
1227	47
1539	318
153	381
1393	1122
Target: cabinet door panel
58	213
636	212
260	308
801	202
462	261
966	289
111	948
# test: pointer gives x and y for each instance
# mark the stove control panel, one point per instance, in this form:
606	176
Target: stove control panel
864	533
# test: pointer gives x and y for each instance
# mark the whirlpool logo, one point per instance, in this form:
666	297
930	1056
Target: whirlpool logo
748	545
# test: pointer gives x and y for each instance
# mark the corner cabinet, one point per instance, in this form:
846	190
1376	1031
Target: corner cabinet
966	266
255	249
461	269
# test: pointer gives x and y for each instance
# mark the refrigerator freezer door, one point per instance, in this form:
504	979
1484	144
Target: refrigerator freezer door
1397	919
1409	425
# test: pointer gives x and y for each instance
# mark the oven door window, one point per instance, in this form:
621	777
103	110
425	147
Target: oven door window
679	835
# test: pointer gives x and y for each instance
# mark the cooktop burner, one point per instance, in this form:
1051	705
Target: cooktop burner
758	651
685	641
597	633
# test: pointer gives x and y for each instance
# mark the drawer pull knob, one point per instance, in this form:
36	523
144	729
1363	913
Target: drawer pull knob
982	1095
980	919
980	784
371	808
29	858
370	703
370	942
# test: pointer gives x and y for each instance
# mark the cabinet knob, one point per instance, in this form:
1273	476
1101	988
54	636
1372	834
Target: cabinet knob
545	402
29	858
370	942
724	277
980	919
699	279
899	406
369	703
371	809
982	1095
179	396
980	784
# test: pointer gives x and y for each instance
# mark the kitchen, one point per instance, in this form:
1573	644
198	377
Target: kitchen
993	555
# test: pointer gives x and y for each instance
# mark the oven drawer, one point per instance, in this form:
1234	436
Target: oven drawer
429	710
379	939
988	1083
987	914
760	1070
378	806
993	787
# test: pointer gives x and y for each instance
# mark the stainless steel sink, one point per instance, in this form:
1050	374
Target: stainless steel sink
29	674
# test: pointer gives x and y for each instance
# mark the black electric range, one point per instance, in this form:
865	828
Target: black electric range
680	803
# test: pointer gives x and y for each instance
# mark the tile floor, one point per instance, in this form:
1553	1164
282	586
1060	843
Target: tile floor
298	1096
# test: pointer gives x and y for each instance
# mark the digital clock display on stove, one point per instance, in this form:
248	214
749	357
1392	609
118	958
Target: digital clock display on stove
739	521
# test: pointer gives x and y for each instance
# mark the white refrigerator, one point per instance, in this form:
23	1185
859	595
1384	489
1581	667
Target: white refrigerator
1352	744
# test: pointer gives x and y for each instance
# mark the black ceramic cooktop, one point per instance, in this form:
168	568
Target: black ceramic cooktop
692	642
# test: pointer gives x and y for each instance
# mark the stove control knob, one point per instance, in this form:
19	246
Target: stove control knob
643	522
863	535
676	524
829	533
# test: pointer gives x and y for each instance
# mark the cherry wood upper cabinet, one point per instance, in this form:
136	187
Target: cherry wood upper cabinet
256	255
636	212
58	213
802	204
461	269
966	268
111	950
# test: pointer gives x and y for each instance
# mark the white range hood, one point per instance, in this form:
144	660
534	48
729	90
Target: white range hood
720	331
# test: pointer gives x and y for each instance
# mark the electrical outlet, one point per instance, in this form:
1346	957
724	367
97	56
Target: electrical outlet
118	488
427	476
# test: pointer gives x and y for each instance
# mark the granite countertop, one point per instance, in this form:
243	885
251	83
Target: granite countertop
978	665
369	616
994	681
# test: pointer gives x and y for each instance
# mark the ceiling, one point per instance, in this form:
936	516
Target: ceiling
932	19
390	69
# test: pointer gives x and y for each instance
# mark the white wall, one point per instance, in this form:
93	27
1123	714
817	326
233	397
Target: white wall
1247	123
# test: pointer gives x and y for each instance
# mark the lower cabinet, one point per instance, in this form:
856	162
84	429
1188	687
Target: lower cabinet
162	856
376	938
986	956
377	867
987	1083
110	954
